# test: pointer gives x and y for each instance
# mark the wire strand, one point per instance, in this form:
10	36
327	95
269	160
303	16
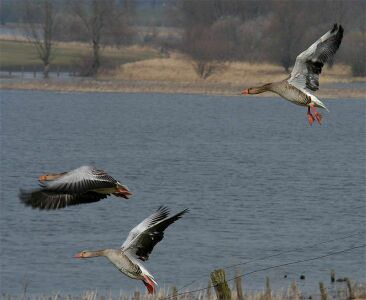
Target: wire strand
273	267
274	255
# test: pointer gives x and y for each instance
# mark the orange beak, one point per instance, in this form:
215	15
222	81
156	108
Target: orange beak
124	193
245	92
42	178
77	255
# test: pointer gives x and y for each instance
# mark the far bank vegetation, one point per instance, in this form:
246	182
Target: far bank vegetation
191	40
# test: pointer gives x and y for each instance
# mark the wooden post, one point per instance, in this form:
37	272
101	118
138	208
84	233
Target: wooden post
220	284
239	289
323	291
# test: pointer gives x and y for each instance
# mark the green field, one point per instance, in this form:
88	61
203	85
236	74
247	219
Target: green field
17	55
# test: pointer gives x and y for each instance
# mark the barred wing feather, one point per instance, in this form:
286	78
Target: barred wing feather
309	64
81	180
143	238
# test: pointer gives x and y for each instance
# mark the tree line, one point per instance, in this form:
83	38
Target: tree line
269	30
210	31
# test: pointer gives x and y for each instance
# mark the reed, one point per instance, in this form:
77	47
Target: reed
332	276
358	291
323	291
350	289
239	288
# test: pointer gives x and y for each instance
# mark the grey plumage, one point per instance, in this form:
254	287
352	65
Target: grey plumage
79	186
309	63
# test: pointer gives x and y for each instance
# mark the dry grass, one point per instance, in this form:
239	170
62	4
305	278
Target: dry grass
176	74
290	293
136	86
178	68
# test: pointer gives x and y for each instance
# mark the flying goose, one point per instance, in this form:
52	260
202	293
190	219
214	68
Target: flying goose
138	246
304	78
82	185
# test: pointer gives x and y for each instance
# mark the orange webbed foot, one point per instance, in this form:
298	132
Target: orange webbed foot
317	115
310	117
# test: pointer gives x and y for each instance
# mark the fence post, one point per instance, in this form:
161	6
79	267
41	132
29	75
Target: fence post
220	284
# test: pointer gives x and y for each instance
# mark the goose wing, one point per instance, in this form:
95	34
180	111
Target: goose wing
143	238
81	180
43	199
309	64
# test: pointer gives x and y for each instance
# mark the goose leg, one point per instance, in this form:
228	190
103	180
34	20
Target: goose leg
317	115
310	117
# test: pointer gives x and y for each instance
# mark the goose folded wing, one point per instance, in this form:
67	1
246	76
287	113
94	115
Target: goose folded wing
142	239
49	200
309	64
80	181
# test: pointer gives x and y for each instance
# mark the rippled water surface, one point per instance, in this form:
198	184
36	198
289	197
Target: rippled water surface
257	178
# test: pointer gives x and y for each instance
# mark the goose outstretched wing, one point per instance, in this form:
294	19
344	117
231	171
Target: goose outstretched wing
309	64
81	180
78	186
42	199
143	238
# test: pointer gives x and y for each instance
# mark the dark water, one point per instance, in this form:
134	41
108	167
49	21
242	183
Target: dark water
257	178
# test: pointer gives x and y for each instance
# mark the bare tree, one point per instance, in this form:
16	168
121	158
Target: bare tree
213	31
202	49
40	34
104	21
94	18
284	33
354	44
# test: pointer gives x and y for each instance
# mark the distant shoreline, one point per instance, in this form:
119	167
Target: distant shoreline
176	74
148	86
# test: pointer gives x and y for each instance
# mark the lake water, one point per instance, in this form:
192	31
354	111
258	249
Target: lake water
257	178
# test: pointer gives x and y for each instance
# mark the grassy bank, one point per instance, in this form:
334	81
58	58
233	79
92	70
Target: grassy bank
20	54
178	68
152	86
141	69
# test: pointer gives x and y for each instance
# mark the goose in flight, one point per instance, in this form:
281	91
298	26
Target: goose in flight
304	78
138	246
82	185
